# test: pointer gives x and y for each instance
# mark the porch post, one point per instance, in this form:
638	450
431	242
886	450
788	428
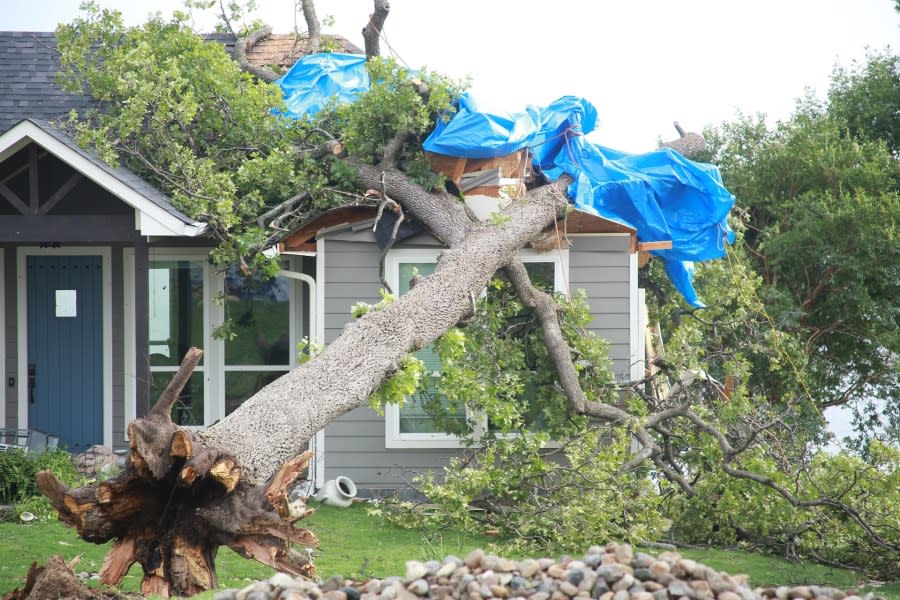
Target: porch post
141	326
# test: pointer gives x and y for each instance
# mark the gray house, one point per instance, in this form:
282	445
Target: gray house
380	453
104	285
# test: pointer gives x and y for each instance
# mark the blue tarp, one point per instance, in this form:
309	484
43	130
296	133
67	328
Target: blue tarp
663	195
317	78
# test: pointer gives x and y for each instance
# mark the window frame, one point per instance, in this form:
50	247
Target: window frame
393	438
225	367
206	368
213	366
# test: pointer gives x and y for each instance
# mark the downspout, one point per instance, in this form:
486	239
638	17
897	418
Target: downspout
312	298
313	336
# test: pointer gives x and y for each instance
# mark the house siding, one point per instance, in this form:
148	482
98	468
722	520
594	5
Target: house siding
601	266
355	443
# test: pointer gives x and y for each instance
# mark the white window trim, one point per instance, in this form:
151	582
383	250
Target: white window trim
393	438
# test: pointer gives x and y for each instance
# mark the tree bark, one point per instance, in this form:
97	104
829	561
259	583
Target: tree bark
312	26
289	411
372	31
243	44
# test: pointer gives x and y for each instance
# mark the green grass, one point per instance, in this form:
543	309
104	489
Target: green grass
356	545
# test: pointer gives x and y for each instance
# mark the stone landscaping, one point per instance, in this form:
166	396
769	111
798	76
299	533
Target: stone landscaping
611	572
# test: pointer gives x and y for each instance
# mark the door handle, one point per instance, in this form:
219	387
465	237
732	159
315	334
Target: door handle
32	382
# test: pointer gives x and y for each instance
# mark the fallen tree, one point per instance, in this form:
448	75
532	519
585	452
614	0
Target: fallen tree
184	494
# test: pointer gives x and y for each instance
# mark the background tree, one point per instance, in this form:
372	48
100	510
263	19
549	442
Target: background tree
822	197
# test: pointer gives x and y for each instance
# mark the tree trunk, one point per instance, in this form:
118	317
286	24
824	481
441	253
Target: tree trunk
184	494
372	31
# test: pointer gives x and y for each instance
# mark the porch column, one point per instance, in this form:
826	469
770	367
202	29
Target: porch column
142	326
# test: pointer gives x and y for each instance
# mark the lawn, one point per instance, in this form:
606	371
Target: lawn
356	545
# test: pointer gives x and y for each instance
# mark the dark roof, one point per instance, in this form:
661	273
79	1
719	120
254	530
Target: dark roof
28	67
28	90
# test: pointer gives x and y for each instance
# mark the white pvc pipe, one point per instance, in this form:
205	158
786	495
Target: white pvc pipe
337	492
313	331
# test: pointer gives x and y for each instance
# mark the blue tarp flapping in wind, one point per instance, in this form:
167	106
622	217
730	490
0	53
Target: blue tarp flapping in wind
661	194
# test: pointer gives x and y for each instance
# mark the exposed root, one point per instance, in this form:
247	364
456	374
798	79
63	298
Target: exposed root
178	501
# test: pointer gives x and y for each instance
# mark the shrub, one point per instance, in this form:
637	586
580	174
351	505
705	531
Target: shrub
18	470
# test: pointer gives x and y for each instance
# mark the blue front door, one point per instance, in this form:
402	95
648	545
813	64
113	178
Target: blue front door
65	348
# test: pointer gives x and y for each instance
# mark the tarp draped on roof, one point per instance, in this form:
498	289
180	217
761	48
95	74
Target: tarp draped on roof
661	194
317	78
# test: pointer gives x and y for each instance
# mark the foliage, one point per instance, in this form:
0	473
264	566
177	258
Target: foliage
362	308
393	105
821	193
538	496
726	512
177	110
403	383
803	315
865	97
18	469
533	472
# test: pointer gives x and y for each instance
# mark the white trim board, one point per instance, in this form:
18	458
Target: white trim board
317	444
22	319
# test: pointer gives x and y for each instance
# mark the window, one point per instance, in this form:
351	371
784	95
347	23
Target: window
410	426
261	350
177	323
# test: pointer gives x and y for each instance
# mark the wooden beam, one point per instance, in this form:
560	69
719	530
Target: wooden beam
24	167
61	193
13	199
647	246
33	188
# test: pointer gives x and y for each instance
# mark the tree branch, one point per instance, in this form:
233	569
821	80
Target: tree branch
312	26
167	399
372	31
240	55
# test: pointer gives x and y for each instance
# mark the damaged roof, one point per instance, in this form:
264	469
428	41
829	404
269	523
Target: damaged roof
29	63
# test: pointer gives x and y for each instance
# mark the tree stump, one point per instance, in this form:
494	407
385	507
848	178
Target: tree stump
178	500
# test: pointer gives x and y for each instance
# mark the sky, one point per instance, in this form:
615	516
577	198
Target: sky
642	63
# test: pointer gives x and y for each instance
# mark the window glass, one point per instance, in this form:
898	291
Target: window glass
260	314
175	310
240	385
414	417
188	409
